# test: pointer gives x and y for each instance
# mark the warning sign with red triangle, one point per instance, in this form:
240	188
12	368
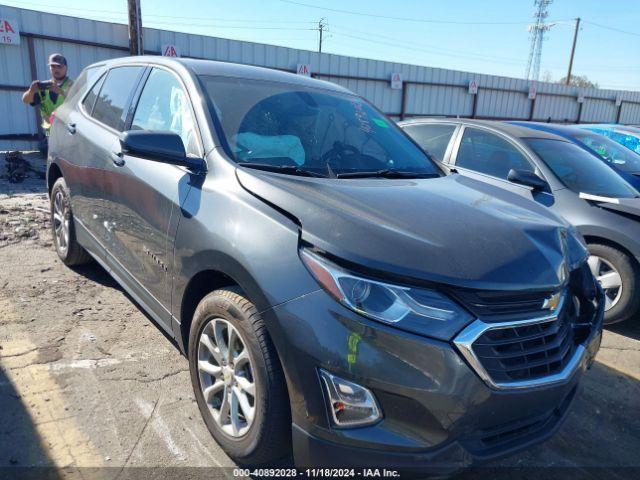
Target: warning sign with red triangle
170	51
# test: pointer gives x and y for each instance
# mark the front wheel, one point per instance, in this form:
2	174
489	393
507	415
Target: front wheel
237	379
618	275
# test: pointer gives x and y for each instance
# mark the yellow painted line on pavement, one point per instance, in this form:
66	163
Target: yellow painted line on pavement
62	440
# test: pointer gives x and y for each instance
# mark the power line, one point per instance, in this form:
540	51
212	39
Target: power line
244	27
436	48
405	19
612	28
153	23
395	42
124	14
425	50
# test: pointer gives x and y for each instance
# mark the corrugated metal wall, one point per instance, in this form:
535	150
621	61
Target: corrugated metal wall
630	113
595	110
559	109
436	100
428	91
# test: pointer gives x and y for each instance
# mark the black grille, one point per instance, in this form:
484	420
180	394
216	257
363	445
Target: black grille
496	306
529	351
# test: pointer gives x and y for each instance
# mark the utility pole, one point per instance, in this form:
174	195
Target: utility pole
135	28
321	26
573	50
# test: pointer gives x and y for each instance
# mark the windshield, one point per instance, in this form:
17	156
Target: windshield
611	151
579	170
295	129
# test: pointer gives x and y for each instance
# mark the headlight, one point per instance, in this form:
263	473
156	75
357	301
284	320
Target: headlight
418	310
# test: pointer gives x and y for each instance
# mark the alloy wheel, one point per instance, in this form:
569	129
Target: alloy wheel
609	279
226	377
61	221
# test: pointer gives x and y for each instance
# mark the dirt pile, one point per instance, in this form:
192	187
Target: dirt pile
25	218
24	205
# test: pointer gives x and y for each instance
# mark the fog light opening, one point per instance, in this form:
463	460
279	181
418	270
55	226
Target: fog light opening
350	404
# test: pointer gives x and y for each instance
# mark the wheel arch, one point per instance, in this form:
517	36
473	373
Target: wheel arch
54	172
613	244
214	270
217	271
199	286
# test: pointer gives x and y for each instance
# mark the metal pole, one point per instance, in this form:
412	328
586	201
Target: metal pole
403	105
474	108
140	42
34	76
532	108
320	28
573	50
135	28
579	113
619	112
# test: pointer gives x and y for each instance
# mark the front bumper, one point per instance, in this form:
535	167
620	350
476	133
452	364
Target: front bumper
439	415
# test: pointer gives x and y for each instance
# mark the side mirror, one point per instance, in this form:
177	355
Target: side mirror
528	179
165	147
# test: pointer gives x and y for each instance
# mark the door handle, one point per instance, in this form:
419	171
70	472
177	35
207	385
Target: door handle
117	159
71	128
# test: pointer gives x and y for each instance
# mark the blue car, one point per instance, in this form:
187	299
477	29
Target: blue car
625	162
628	136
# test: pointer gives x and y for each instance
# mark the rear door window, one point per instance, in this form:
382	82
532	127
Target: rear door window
432	138
487	153
114	96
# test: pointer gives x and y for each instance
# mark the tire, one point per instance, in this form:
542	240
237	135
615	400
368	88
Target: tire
67	247
626	304
268	437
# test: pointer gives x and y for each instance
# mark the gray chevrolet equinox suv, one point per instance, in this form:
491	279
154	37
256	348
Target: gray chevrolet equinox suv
338	296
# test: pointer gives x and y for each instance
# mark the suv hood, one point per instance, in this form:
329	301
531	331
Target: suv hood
452	230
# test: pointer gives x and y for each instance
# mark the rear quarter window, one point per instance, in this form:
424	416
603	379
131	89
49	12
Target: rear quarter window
433	139
114	96
86	80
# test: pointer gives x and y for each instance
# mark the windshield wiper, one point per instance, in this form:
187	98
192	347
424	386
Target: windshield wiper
387	173
286	169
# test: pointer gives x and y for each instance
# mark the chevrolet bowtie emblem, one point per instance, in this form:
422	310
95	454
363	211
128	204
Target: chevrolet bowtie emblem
552	302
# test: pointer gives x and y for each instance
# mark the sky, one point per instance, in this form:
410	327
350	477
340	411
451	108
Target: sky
487	36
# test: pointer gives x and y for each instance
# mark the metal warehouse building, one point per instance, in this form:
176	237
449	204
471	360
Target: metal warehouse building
424	90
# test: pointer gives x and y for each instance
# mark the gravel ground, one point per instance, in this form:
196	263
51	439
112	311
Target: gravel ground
89	384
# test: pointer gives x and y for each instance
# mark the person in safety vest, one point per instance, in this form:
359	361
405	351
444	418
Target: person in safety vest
50	94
